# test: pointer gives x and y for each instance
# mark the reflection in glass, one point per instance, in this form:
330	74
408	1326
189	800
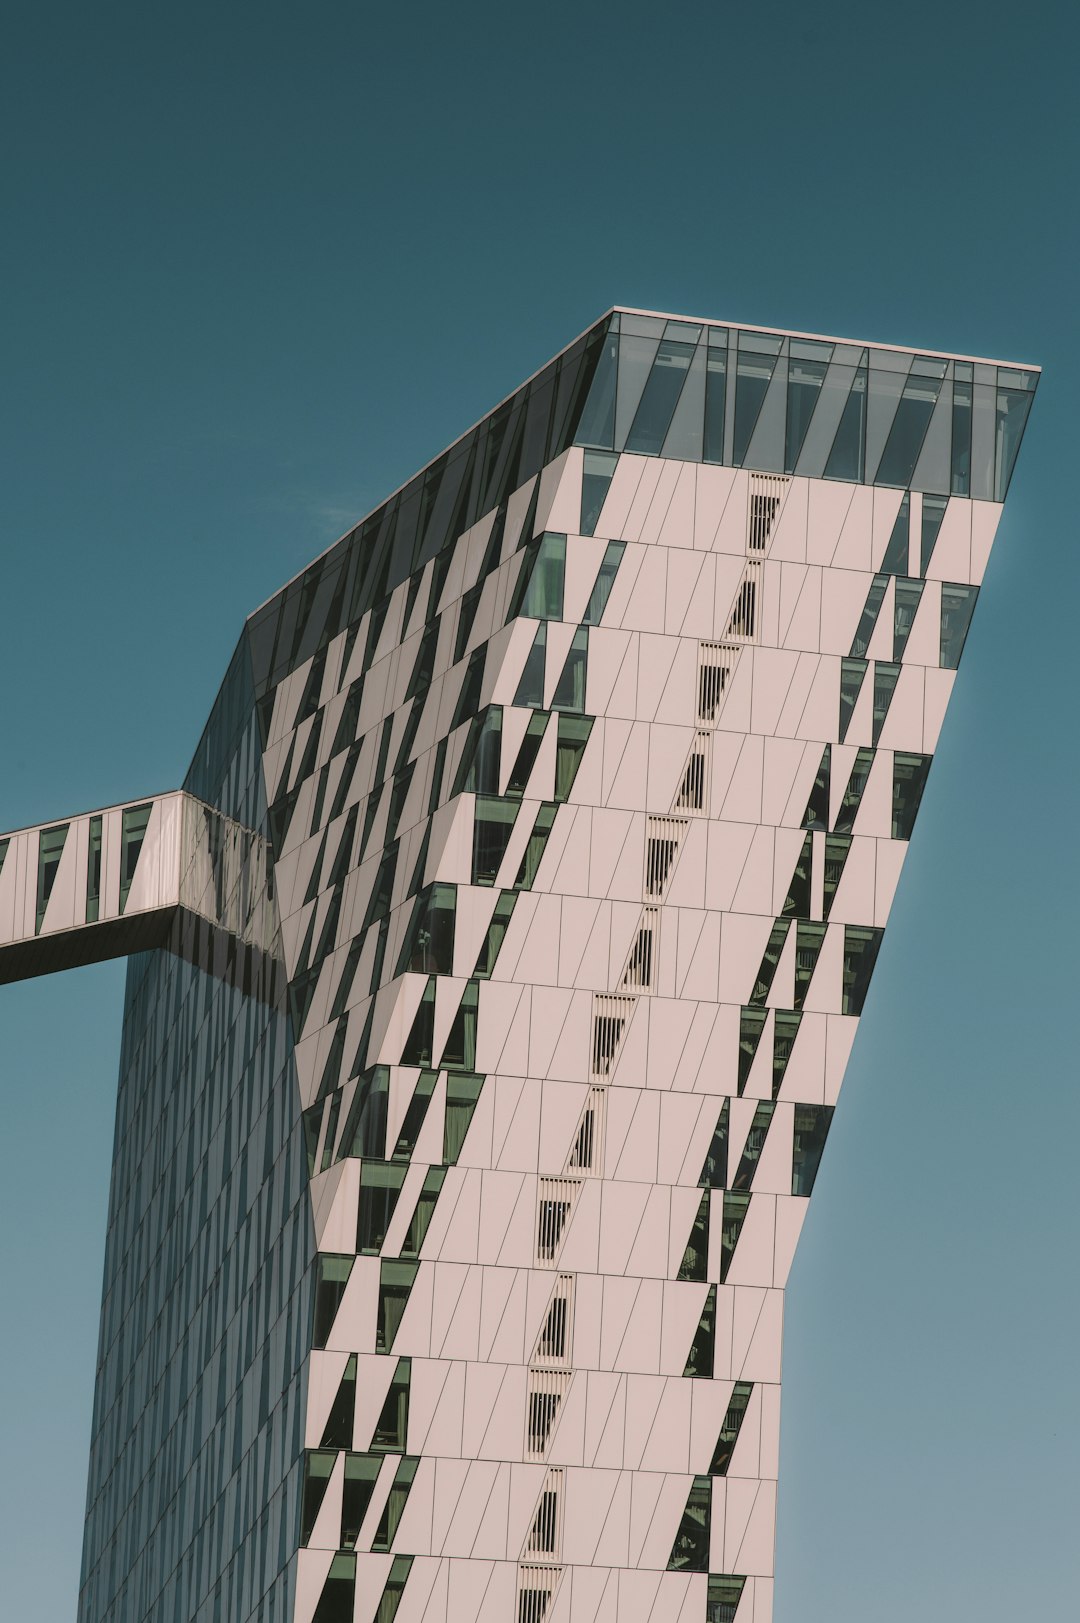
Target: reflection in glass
659	398
846	459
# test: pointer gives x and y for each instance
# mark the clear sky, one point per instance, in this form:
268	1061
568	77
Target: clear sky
264	261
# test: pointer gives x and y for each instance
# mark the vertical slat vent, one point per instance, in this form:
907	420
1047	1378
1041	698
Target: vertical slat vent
640	968
547	1388
693	793
587	1153
611	1016
554	1344
716	666
766	494
663	837
555	1204
745	621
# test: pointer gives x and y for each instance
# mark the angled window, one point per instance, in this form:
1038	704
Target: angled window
695	1262
570	688
395	1504
797	901
470	602
460	1050
886	677
417	1049
817	807
1013	405
500	919
812	1124
605	580
806	373
786	1024
573	735
860	954
690	1552
774	947
338	1431
730	1428
715	395
898	551
493	824
530	689
93	871
595	482
339	1592
528	750
536	847
415	1115
909	781
755	1143
849	806
847	457
754	369
735	1209
462	1093
472	687
331	1277
424	668
393	1590
380	1186
933	512
365	1128
913	413
809	940
908	596
391	1428
960	470
852	675
50	849
318	1465
428	947
714	1171
724	1595
660	397
957	607
699	1362
861	640
538	594
396	1280
478	770
837	848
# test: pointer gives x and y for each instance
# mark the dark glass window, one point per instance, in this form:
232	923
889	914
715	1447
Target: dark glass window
886	677
492	827
470	602
849	806
714	1171
812	1124
462	1093
396	1280
423	1212
730	1428
331	1277
538	594
806	373
394	1589
50	850
460	1049
690	1552
817	807
338	1431
773	949
424	668
852	672
659	398
751	1026
536	847
695	1262
1012	412
715	395
93	871
957	607
489	952
383	889
570	689
133	832
797	901
417	1049
960	476
414	1116
846	458
391	1428
699	1363
361	1471
317	1468
860	954
530	688
909	781
365	1129
933	511
898	551
725	1593
755	1143
597	426
428	947
908	596
735	1209
837	847
913	413
380	1186
609	568
339	1592
865	630
527	753
472	687
595	483
753	374
809	940
573	736
478	772
786	1024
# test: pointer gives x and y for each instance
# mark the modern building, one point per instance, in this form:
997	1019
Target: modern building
493	977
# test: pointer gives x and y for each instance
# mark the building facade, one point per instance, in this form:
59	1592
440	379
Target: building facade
494	975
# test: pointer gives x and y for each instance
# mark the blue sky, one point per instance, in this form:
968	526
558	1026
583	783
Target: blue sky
262	262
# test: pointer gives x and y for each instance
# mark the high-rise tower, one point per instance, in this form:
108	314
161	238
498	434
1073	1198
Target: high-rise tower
496	971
